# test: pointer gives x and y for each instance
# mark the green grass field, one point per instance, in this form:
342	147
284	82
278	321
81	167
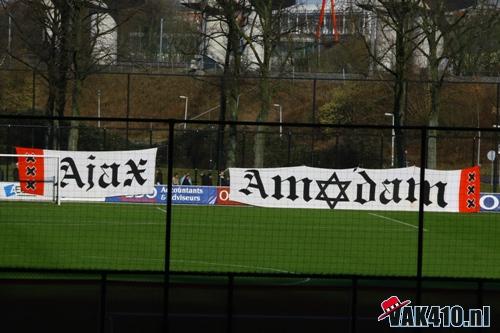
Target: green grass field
246	239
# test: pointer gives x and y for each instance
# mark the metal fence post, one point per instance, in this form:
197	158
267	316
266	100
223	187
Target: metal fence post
168	225
423	166
102	303
382	151
495	164
289	148
313	121
104	137
9	144
128	109
354	305
230	290
243	149
33	92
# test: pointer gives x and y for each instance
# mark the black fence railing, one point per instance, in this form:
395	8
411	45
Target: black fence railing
163	238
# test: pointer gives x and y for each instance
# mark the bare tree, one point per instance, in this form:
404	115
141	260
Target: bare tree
446	34
438	26
223	23
262	34
77	39
50	21
398	38
93	47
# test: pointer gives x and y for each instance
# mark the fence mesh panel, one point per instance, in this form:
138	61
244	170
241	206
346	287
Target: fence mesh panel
340	214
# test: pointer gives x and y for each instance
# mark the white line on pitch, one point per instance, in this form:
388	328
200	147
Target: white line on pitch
396	221
192	262
230	265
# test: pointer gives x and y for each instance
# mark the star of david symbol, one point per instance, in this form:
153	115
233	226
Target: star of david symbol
323	186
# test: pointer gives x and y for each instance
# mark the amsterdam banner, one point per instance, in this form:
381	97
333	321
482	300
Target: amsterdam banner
357	189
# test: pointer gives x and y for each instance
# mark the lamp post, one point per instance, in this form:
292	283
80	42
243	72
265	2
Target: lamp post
280	109
185	108
160	51
393	137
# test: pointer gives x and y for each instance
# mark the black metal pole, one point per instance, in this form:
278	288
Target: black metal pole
336	151
151	135
495	163
289	148
313	121
102	303
33	92
104	138
220	130
480	301
382	151
230	303
423	166
474	151
168	225
9	145
354	305
243	150
128	109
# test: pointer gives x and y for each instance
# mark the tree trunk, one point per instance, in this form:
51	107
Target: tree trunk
234	90
400	92
435	93
260	137
433	121
63	58
233	131
49	111
399	140
75	112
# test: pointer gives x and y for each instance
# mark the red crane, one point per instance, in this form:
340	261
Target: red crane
334	21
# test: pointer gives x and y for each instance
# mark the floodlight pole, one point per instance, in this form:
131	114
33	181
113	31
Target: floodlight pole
185	108
393	134
160	51
280	110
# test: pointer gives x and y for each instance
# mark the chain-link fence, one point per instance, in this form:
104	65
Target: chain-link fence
257	199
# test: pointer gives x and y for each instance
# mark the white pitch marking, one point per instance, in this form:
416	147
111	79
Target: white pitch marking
230	265
396	221
312	227
100	223
191	261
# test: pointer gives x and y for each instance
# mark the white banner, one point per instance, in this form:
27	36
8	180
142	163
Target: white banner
88	174
357	189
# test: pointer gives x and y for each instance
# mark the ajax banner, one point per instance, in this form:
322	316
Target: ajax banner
358	189
85	174
185	195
